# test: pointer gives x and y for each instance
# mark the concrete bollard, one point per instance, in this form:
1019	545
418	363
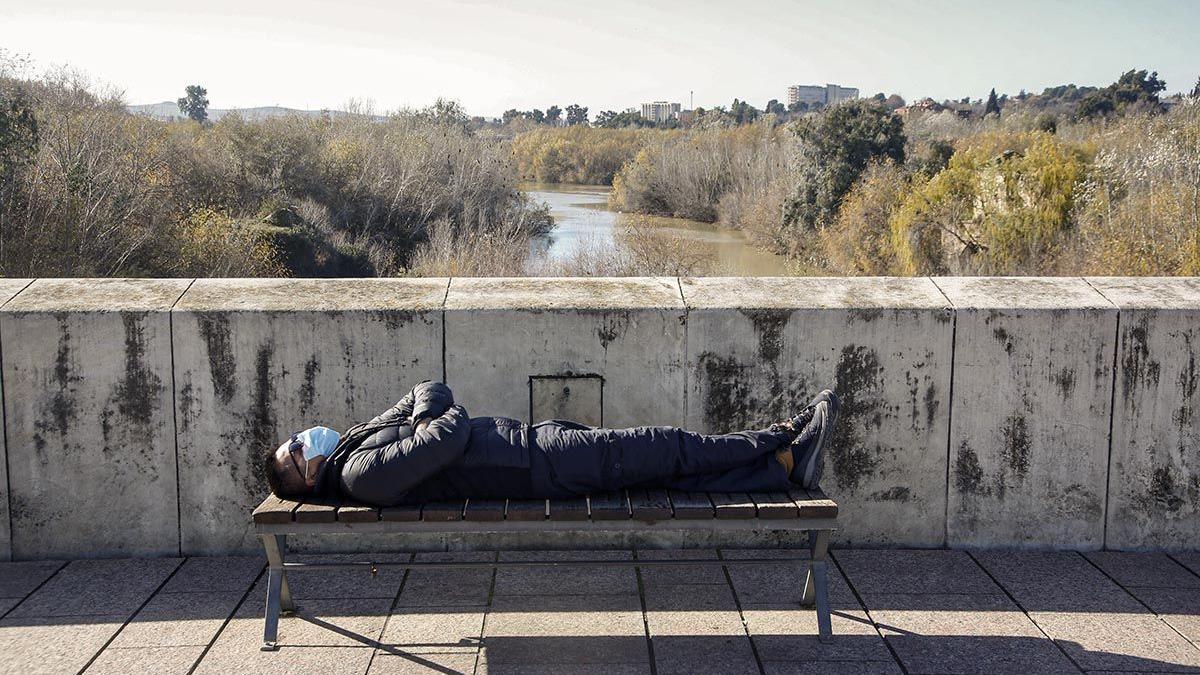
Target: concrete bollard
759	349
87	402
258	359
1033	377
1154	471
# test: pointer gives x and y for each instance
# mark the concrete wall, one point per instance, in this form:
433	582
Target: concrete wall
1047	413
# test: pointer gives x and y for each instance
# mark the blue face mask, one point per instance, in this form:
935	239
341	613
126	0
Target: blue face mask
318	441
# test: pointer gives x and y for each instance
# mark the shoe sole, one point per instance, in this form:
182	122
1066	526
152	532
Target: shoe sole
827	409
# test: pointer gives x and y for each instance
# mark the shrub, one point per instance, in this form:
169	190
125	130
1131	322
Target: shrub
576	154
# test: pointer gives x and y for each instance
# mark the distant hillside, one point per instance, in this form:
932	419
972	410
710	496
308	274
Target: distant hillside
168	110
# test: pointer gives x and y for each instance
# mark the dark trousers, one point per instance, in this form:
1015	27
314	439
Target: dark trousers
566	460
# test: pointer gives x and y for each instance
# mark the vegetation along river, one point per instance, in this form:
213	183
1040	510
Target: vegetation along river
582	219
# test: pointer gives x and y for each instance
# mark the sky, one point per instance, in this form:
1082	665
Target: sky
610	55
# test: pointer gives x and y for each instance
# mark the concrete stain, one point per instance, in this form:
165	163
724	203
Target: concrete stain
218	337
893	494
931	405
1016	450
1065	381
1164	493
735	399
261	422
858	377
612	327
138	390
968	473
59	413
1136	364
395	319
187	398
1003	338
768	325
308	389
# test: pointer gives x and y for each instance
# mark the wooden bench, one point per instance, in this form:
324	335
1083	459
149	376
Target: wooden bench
632	512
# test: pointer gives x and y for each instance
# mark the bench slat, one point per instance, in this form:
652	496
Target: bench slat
526	509
350	512
487	510
814	504
732	505
568	509
775	505
650	505
404	513
443	511
316	511
610	506
274	511
691	505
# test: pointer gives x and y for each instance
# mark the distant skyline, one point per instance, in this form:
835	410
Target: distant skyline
614	55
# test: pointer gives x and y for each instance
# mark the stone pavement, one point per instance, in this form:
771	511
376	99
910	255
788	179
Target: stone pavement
895	611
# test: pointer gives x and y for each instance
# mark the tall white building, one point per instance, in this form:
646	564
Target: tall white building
660	111
816	94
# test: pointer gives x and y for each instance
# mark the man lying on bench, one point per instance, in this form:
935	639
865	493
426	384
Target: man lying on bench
426	448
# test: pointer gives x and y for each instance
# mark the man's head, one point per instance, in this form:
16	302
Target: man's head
293	467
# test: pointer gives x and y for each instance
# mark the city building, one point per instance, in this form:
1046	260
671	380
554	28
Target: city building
815	94
660	111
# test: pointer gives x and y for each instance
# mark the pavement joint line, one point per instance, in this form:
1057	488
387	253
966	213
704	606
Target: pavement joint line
1024	611
487	609
1177	562
637	571
232	613
131	615
866	610
741	615
1139	600
391	609
36	588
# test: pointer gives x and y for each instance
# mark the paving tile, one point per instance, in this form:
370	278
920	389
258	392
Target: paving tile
428	630
689	654
692	610
178	620
404	662
1100	641
1144	570
1189	560
789	634
487	668
934	571
7	604
784	583
245	657
97	587
343	583
53	644
682	574
1177	606
832	668
956	633
157	660
688	597
18	579
568	628
1057	582
215	574
448	587
565	580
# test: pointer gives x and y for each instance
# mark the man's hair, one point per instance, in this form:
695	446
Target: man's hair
281	479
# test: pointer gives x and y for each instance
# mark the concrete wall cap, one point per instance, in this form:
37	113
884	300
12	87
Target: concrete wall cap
10	287
811	293
1174	293
317	295
569	293
1050	293
98	295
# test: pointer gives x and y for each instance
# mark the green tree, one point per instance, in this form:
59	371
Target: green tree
993	105
576	114
743	112
535	115
510	115
195	103
894	102
553	115
774	107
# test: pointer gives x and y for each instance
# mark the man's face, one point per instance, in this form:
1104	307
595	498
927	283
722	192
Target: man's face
290	455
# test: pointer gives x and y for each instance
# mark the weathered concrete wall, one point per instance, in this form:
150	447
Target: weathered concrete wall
977	412
87	405
758	349
502	332
256	360
1154	480
1030	413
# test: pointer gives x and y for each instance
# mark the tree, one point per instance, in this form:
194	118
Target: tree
610	119
894	102
535	115
553	115
993	105
798	106
576	114
743	112
195	103
510	115
776	108
1133	90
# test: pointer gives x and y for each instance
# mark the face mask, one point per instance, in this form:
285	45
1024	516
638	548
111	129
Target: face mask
318	441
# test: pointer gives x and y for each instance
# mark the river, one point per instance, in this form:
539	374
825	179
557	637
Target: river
583	220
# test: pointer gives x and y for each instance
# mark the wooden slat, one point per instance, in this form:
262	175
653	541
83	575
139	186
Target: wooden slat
732	505
404	513
526	509
691	505
814	504
774	505
610	506
443	511
274	511
316	511
650	505
487	510
568	509
350	512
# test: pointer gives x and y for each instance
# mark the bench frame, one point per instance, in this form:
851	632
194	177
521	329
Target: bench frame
817	527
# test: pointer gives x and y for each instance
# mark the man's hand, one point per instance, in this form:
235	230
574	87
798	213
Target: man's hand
422	424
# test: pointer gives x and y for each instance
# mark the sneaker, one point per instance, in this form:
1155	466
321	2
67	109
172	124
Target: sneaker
808	450
795	424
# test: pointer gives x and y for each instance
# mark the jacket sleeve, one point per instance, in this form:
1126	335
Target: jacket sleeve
430	400
382	475
401	412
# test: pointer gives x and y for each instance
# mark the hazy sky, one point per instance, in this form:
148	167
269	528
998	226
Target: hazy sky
603	54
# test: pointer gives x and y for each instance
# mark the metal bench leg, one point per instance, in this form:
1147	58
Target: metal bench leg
279	596
816	582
